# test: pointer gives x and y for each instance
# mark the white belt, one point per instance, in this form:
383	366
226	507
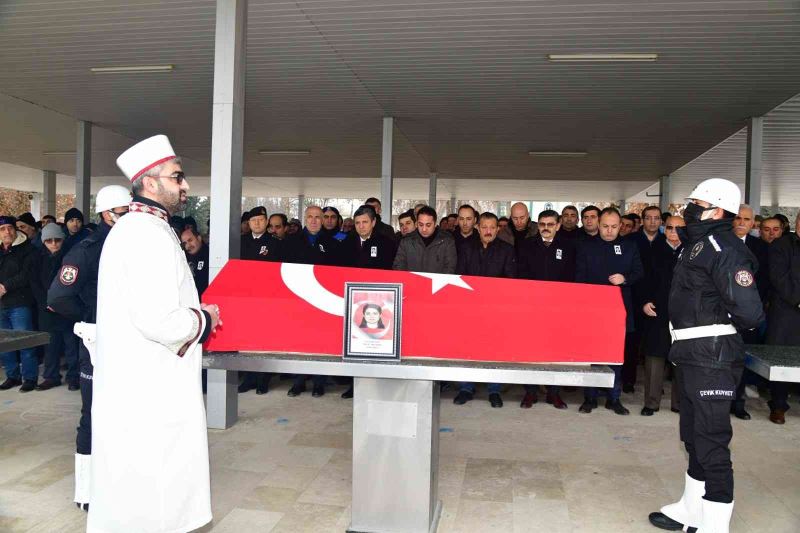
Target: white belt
713	330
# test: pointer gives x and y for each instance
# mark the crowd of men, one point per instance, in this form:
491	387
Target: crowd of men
600	246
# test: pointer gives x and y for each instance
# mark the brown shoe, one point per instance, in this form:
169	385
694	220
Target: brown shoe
556	401
528	400
776	416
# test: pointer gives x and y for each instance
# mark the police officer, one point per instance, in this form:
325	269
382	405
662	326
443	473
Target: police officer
713	293
259	244
73	294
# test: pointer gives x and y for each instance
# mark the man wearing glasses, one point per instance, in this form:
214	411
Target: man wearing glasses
548	257
150	469
657	340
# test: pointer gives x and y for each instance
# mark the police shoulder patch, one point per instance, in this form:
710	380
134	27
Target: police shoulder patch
68	274
744	278
696	250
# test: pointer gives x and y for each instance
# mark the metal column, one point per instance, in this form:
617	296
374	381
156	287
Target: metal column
755	141
387	155
301	200
226	186
453	205
664	190
622	206
395	456
48	205
432	189
83	171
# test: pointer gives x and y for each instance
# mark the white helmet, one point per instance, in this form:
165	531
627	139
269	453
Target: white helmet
111	196
719	193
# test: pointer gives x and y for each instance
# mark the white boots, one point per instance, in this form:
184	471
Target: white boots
83	473
689	509
716	517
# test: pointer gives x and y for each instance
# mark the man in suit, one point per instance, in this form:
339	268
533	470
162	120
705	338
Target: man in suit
609	259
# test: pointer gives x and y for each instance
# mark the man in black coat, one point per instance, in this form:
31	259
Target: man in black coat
646	239
783	322
490	257
311	247
365	247
16	303
465	230
657	340
610	260
549	256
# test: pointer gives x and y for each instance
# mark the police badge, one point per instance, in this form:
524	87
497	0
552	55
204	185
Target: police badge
696	250
68	274
744	278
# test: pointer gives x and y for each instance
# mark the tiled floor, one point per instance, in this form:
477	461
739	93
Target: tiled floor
285	466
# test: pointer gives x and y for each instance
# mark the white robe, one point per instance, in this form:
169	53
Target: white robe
150	468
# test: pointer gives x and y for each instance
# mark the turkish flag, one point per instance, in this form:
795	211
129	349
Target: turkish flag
286	307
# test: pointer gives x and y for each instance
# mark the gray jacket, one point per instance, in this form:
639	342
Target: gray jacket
438	257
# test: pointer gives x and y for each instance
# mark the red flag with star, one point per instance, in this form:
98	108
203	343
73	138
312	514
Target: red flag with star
286	307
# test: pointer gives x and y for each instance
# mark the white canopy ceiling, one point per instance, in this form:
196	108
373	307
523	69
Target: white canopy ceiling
467	80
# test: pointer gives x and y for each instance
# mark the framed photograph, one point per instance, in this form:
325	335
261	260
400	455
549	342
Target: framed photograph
372	321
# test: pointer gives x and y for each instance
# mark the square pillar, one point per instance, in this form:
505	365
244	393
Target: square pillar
432	189
226	186
48	204
664	190
83	171
387	156
755	145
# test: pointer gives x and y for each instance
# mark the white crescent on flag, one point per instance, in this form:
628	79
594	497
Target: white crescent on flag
300	279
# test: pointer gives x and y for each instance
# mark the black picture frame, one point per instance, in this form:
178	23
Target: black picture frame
372	321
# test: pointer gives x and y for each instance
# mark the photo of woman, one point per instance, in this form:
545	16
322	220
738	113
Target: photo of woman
371	317
371	331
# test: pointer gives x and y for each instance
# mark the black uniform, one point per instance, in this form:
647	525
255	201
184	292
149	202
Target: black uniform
713	283
62	339
73	294
263	248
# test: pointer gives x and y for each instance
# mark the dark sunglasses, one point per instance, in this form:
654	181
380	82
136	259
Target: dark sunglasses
674	227
179	177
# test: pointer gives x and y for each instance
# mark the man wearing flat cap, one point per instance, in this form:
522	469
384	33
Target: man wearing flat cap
150	470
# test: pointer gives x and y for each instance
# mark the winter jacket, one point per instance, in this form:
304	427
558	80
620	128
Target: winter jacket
439	256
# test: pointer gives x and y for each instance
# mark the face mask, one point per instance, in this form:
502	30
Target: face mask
755	232
694	213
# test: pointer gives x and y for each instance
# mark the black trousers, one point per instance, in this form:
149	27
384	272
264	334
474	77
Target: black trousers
84	439
705	426
631	361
